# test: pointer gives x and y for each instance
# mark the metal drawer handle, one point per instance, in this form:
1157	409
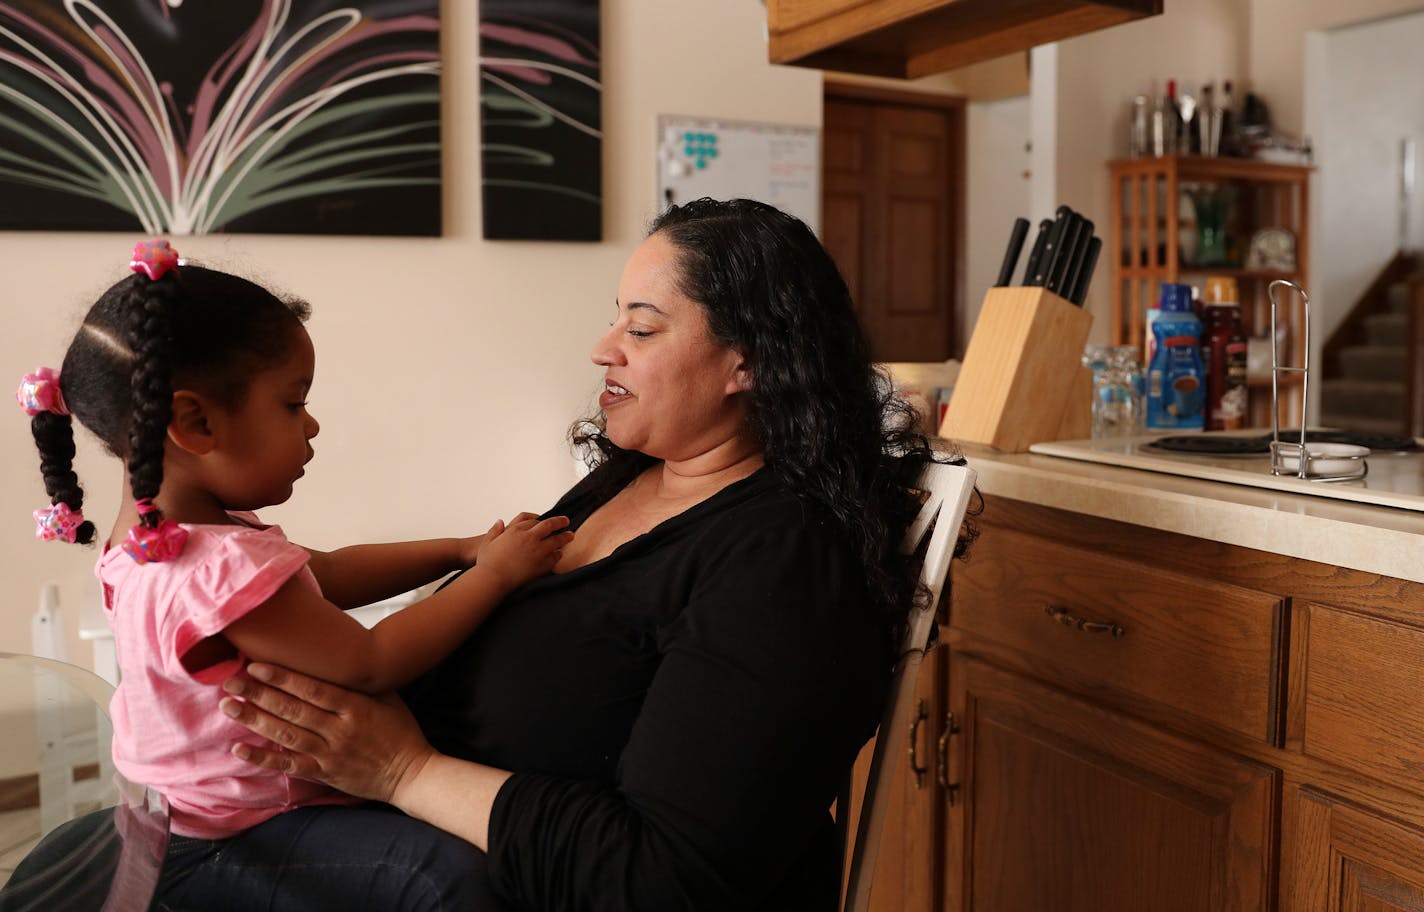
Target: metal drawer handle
914	737
1062	616
951	789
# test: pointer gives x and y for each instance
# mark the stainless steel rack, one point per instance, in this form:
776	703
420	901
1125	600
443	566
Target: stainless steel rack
1309	465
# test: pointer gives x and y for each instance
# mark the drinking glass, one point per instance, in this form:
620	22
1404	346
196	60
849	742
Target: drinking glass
1117	390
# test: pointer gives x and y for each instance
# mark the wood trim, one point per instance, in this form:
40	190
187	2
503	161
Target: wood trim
844	89
20	793
912	38
1414	360
1212	167
1302	580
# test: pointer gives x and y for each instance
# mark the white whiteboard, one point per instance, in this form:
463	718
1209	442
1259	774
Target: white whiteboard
778	164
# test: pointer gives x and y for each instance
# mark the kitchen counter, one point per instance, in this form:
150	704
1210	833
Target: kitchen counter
1373	539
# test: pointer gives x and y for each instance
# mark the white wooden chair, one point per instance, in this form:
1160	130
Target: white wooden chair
948	489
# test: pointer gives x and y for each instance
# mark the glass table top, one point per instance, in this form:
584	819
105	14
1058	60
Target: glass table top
101	839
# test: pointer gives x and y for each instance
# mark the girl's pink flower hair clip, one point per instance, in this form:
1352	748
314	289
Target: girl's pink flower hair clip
58	523
153	258
161	543
39	392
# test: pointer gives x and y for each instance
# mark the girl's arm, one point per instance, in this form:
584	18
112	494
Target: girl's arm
361	574
300	629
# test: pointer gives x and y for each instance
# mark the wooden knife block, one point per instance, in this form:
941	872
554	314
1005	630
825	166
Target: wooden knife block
1023	380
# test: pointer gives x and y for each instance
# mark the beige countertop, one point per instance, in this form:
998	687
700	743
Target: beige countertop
1374	539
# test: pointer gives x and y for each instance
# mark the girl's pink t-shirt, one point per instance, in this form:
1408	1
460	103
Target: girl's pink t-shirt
169	733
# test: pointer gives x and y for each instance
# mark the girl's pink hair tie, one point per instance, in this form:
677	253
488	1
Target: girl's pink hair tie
58	522
39	392
153	258
162	543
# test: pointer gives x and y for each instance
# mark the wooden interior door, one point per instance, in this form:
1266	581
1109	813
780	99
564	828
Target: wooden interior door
1071	807
892	211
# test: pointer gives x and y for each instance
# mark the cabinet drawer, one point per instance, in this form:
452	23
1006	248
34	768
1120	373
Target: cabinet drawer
1360	695
1113	626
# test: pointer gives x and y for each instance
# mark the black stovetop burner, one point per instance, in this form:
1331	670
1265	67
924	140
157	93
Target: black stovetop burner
1209	445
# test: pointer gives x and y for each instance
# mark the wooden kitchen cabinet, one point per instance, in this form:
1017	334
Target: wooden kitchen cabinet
911	842
1151	721
1353	860
912	38
1074	808
1350	854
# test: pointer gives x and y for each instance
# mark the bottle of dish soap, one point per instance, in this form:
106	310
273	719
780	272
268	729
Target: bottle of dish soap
1174	376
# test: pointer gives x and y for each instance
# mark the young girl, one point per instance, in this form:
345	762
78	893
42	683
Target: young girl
198	381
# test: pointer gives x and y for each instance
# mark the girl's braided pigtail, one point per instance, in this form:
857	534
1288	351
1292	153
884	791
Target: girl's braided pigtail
151	390
150	309
40	396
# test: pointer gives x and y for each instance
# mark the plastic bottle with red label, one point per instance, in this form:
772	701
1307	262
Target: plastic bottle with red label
1223	352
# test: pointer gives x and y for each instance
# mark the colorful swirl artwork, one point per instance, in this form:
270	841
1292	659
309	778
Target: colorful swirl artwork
174	117
541	120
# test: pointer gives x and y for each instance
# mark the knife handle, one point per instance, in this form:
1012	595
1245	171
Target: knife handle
1036	254
1058	234
1062	256
1011	255
1076	256
1085	276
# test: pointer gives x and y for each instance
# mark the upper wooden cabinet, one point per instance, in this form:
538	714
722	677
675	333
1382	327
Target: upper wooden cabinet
912	38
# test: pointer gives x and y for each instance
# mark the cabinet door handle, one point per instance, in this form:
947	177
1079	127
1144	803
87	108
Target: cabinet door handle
1062	616
914	737
951	789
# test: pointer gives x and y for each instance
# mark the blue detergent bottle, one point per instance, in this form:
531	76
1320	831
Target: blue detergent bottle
1175	378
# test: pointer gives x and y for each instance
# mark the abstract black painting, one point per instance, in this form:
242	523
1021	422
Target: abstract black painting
540	120
198	116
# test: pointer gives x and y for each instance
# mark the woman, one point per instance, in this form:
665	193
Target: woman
664	722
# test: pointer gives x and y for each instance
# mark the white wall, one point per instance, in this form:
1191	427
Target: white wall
1277	55
448	369
997	174
1094	79
1361	100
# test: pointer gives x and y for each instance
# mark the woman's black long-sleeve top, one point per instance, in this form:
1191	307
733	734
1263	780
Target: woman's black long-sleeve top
680	714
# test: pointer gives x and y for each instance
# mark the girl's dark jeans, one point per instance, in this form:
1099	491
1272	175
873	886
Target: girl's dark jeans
311	860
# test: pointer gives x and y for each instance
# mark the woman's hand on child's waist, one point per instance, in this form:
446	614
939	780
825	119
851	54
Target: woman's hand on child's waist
364	746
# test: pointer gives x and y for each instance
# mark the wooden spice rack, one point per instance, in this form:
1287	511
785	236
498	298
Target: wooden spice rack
1146	248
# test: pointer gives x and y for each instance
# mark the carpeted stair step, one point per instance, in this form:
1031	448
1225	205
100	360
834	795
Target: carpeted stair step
1373	362
1367	399
1385	328
1396	297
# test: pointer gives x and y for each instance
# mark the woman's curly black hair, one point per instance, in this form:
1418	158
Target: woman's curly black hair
194	326
830	424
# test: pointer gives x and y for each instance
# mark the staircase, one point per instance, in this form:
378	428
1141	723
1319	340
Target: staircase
1369	383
